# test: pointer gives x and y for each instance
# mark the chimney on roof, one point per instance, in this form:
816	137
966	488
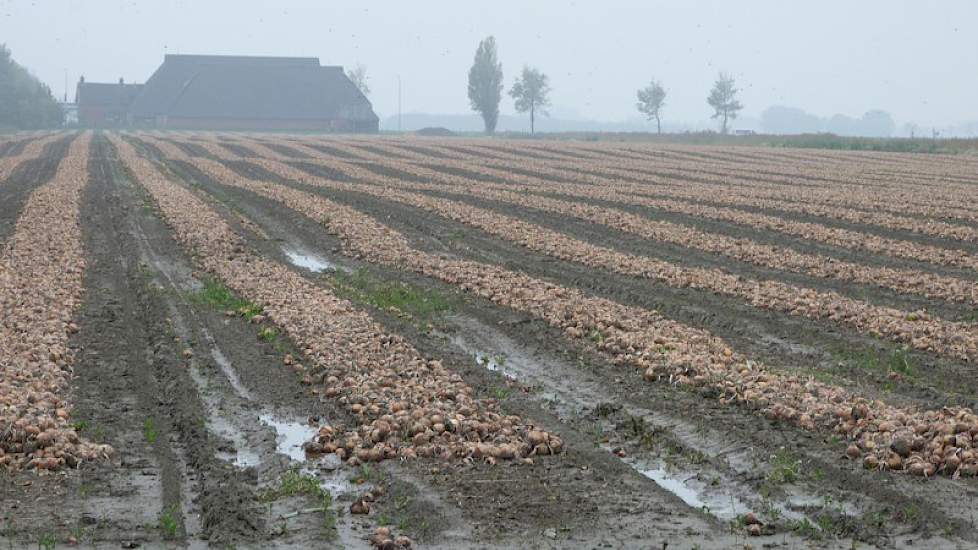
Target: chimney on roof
82	79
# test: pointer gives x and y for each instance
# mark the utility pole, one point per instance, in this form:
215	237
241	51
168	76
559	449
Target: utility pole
398	103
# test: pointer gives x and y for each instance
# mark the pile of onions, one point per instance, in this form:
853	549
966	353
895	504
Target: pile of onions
41	268
661	348
406	405
917	329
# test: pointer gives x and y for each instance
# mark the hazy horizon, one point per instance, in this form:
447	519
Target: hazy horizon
916	62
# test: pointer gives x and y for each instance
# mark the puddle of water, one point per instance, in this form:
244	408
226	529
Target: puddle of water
805	500
218	424
244	456
493	363
336	482
290	435
309	261
569	394
720	507
228	370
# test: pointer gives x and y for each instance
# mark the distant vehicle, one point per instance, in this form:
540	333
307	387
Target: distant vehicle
745	133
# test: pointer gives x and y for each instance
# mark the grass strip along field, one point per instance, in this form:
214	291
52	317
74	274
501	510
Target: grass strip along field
41	269
408	405
883	436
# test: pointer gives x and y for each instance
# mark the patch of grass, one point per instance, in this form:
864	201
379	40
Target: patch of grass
368	474
268	334
292	483
47	542
359	285
785	467
899	361
908	514
295	483
636	426
769	510
79	533
168	523
605	409
215	294
500	393
877	518
676	452
98	434
79	426
150	431
804	528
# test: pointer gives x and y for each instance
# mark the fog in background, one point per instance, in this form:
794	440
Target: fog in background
918	61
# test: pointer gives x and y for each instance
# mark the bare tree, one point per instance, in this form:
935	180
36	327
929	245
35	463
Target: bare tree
723	99
486	83
358	75
651	100
531	92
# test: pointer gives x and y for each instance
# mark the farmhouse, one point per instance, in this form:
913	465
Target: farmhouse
252	93
216	92
105	105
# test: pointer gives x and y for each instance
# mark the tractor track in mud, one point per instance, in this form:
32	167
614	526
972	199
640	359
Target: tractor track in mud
206	416
18	186
585	485
842	479
794	342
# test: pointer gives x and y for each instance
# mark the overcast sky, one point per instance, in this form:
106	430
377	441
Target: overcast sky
915	59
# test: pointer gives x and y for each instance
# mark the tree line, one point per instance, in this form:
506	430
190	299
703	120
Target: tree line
531	92
25	102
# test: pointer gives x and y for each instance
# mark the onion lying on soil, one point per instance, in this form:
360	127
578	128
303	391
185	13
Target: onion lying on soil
41	269
405	405
662	349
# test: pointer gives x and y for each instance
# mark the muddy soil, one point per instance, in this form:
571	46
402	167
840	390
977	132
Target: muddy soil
632	244
547	504
13	146
594	404
822	349
766	236
202	414
207	420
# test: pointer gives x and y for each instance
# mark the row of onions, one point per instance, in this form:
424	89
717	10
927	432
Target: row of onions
882	435
41	286
405	405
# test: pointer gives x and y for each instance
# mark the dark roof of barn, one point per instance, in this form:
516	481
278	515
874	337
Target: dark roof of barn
106	94
282	88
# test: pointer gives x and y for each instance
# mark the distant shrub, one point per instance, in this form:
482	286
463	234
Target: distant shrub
25	102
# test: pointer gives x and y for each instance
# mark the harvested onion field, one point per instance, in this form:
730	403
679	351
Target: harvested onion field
273	341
